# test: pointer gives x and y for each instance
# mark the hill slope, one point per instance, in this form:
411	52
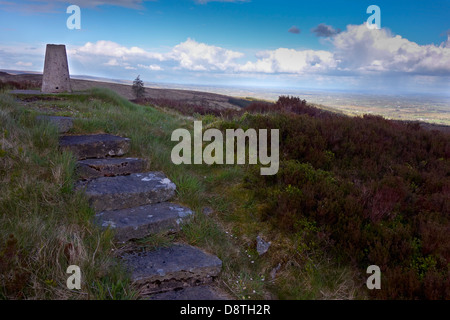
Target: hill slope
350	192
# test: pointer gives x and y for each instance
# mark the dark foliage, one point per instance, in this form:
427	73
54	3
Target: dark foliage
378	190
14	276
188	109
138	88
22	85
241	103
285	104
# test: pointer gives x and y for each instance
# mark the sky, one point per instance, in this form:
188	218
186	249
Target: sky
324	45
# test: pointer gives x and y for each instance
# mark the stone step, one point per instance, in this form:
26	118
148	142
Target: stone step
176	267
140	222
137	189
192	293
63	124
95	145
109	167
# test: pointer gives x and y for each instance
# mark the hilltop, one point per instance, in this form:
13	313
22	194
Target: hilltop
210	100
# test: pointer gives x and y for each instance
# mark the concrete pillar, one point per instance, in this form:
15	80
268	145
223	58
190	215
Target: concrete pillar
56	70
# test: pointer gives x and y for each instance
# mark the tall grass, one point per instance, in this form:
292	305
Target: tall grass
44	225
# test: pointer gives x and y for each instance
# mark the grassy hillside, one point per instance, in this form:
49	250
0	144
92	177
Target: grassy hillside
365	190
350	192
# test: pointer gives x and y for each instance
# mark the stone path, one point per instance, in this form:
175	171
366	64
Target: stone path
135	204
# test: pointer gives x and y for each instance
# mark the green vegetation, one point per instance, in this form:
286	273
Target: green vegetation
45	226
367	190
350	192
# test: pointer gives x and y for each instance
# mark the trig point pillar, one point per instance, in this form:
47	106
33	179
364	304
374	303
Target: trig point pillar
56	70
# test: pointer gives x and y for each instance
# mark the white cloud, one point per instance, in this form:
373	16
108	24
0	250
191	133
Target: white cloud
190	55
24	64
112	49
112	62
361	49
285	60
196	56
356	51
152	67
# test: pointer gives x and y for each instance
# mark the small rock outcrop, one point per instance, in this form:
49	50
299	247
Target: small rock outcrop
261	245
110	167
95	146
140	222
113	193
170	268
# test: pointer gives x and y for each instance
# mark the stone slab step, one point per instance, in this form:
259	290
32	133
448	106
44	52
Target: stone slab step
95	145
166	269
137	189
109	167
63	124
192	293
139	222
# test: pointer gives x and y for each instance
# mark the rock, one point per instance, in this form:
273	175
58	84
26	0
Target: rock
165	269
137	189
139	222
261	245
274	271
95	146
192	293
109	167
63	124
207	211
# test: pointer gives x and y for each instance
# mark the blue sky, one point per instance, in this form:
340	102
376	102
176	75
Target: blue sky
304	44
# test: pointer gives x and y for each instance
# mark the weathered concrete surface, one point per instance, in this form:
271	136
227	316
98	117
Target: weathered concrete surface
63	124
109	167
56	70
165	269
137	189
192	293
139	222
95	146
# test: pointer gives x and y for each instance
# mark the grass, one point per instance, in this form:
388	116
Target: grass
45	225
45	216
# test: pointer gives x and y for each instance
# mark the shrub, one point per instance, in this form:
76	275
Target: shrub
378	189
138	88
